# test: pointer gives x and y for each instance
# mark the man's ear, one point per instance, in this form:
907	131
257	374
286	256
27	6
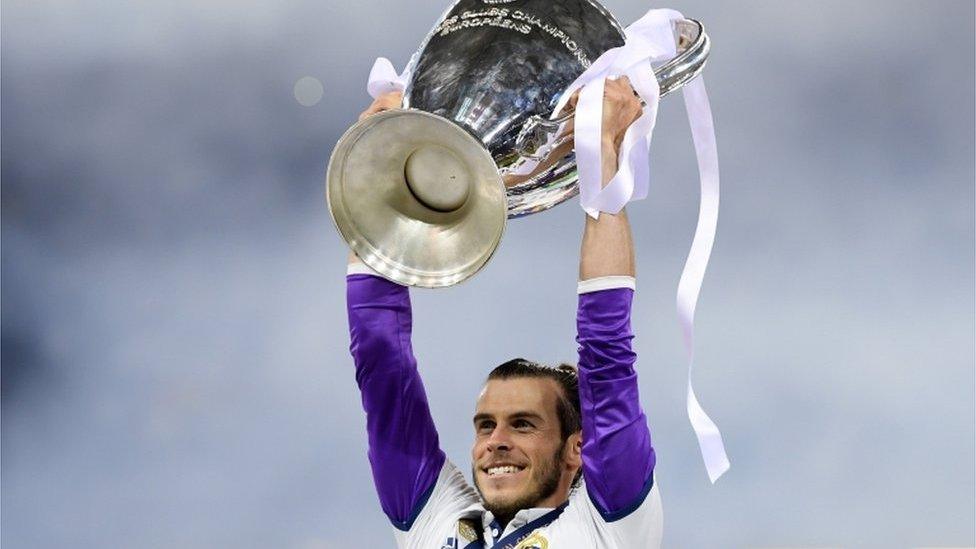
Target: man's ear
574	449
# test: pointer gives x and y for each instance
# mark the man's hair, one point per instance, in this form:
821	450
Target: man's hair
568	403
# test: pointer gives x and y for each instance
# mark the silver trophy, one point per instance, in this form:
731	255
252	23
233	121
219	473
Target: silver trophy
422	193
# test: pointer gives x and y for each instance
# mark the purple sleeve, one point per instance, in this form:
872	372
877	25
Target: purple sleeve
403	447
618	459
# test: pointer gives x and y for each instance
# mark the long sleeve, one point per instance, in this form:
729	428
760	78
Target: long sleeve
618	458
404	451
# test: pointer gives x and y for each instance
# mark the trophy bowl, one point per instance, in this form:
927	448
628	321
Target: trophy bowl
422	193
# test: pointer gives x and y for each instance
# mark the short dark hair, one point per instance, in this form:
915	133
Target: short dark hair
568	404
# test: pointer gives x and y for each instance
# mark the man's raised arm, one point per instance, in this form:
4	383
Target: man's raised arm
404	451
618	459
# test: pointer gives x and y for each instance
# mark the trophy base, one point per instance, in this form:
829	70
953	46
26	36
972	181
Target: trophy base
417	197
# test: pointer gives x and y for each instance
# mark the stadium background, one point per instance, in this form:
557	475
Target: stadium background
175	365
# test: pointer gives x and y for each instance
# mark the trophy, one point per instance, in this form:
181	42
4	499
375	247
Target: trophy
422	193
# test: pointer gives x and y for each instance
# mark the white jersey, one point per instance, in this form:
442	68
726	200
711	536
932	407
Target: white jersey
453	518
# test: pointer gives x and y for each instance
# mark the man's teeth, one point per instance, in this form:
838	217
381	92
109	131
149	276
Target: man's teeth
503	469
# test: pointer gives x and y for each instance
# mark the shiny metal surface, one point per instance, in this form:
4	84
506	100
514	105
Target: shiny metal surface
387	219
493	68
486	77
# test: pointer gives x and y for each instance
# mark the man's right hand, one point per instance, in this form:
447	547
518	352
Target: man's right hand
385	102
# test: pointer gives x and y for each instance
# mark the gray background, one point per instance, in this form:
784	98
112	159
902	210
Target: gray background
175	364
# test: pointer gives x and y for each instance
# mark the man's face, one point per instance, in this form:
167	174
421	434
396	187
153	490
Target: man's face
519	459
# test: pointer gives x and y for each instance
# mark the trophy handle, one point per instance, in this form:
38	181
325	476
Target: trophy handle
533	141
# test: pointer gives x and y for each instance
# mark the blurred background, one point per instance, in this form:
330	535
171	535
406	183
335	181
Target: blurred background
175	368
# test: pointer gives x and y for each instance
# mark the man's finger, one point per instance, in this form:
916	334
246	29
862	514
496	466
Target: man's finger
573	99
373	109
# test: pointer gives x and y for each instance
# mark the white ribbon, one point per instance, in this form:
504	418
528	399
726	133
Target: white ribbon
383	78
689	286
650	39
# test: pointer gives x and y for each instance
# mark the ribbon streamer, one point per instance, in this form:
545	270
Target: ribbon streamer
648	40
689	286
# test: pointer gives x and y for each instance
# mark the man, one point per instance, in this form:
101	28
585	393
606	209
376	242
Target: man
537	429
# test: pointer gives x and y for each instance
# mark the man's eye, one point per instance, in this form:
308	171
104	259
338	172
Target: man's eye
485	426
522	424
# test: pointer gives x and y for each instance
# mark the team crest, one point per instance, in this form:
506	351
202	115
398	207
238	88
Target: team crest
535	541
466	530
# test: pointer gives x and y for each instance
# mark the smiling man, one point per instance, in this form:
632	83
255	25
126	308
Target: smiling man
561	458
527	446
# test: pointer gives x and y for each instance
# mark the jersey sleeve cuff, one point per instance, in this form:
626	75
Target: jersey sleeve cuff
614	516
360	268
606	283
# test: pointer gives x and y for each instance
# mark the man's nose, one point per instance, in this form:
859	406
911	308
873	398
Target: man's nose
498	441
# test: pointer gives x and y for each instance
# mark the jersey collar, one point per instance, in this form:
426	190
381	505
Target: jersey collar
522	524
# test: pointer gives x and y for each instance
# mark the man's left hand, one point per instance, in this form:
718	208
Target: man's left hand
621	107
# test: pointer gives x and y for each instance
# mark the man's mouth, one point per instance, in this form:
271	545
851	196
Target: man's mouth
496	470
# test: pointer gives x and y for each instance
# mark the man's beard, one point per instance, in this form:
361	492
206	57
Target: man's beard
543	483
